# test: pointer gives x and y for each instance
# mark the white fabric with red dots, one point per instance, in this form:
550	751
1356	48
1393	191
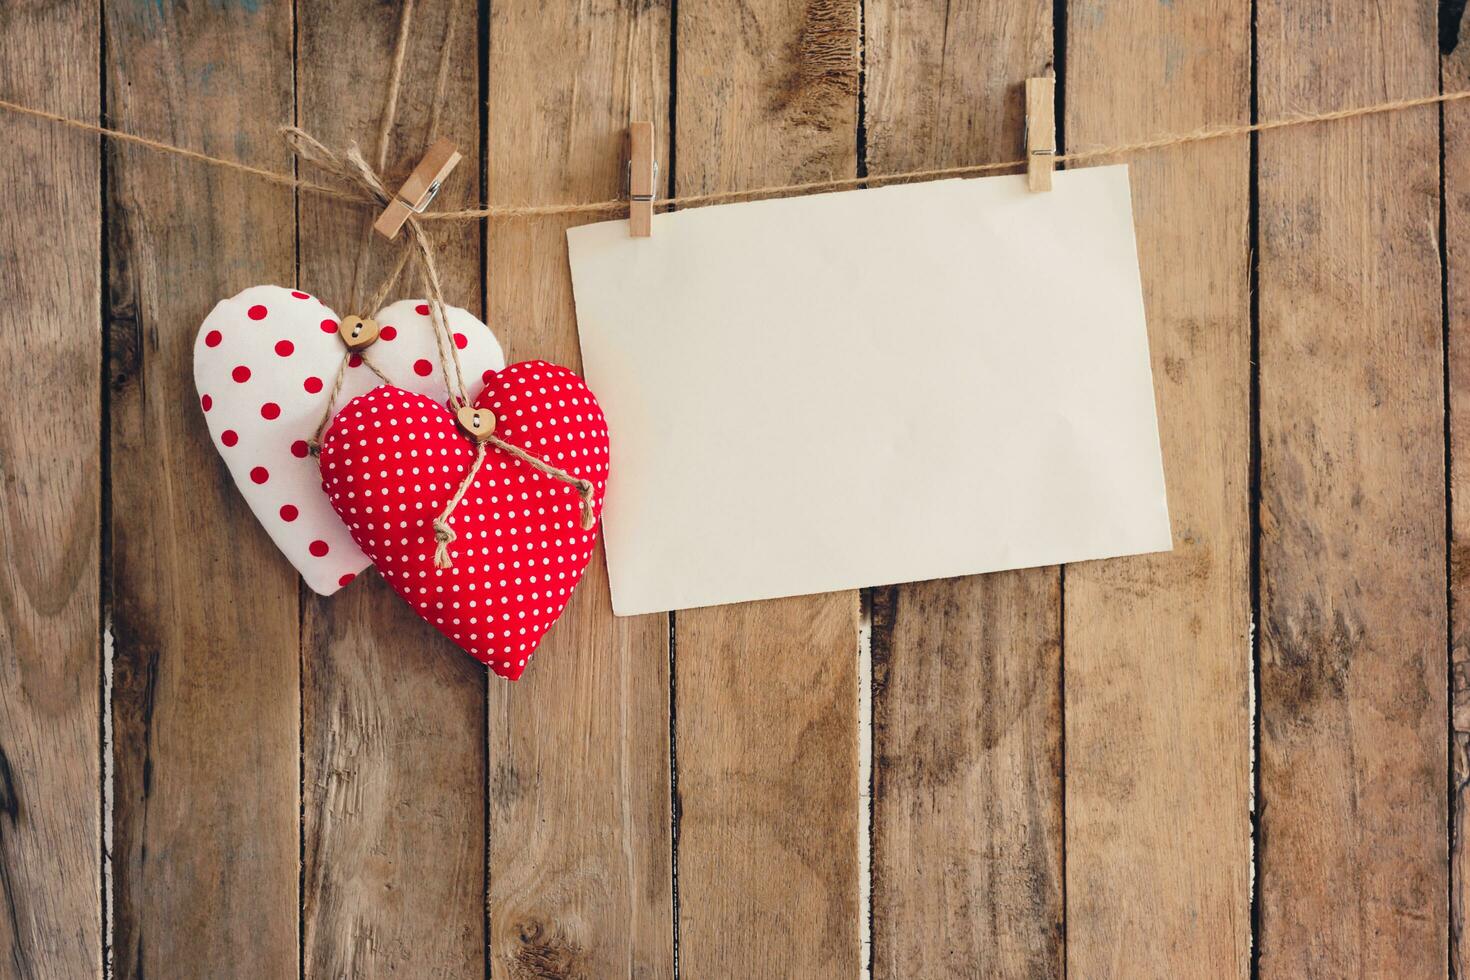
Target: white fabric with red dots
392	459
264	363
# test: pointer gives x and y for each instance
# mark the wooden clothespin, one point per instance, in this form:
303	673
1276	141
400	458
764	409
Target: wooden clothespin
1041	132
642	179
420	187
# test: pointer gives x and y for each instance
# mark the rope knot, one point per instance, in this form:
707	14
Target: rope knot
444	535
585	490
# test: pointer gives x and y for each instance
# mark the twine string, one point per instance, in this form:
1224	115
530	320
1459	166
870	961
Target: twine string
441	83
316	153
385	132
390	280
314	444
444	534
613	206
583	487
351	167
367	189
438	318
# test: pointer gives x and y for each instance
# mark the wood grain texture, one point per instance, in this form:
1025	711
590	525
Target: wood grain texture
393	713
1157	648
1353	592
1455	76
50	276
967	817
205	706
580	855
767	693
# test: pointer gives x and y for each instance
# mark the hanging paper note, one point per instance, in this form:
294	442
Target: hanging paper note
871	387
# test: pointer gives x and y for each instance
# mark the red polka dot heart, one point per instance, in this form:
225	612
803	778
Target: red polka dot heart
264	364
392	459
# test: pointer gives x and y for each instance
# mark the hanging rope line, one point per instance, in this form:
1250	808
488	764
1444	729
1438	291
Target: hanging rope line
366	187
618	205
352	168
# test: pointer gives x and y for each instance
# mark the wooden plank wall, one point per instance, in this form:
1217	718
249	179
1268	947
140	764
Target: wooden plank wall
1061	759
1353	591
206	692
1157	648
1455	189
50	522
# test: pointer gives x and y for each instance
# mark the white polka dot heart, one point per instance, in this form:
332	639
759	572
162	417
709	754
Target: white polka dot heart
391	461
265	362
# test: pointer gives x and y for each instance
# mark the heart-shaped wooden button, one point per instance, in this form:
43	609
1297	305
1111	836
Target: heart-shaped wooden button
358	331
477	423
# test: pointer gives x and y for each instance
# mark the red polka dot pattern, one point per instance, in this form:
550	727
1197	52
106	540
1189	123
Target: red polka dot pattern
423	367
270	411
205	402
241	374
285	348
257	312
213	338
312	385
388	333
289	513
259	474
392	459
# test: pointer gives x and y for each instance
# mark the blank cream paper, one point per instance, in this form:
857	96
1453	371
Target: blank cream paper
869	387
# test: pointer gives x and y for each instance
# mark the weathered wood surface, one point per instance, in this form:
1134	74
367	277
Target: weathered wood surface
50	235
1157	648
581	881
206	707
1455	76
967	793
766	694
1061	760
1353	862
393	714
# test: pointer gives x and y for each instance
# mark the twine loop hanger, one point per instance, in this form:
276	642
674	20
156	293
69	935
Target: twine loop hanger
352	168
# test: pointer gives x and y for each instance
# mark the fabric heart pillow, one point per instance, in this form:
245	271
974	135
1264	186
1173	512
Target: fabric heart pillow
392	459
265	362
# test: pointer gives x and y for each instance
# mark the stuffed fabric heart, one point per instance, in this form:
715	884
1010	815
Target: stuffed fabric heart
264	364
391	461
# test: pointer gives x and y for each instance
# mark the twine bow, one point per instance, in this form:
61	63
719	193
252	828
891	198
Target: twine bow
354	169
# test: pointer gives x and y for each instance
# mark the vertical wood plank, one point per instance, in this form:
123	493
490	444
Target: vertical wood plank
1455	76
393	714
1157	648
967	817
766	693
1353	592
50	732
580	853
206	699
